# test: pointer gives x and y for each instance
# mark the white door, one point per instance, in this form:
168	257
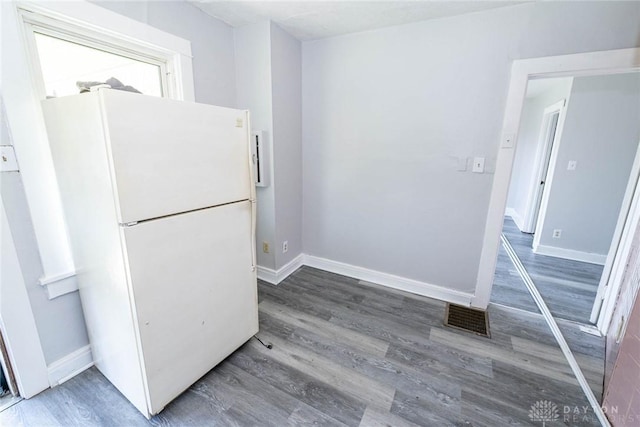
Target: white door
173	156
195	293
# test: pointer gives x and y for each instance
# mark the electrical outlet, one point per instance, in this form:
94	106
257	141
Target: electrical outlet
557	233
285	246
265	247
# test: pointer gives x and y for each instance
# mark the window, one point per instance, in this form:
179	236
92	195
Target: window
63	52
64	63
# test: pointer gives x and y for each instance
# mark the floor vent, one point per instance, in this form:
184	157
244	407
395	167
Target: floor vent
467	319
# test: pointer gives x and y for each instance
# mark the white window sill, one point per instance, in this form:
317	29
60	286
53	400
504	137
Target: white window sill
59	285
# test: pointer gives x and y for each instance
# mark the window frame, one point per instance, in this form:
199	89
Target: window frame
38	75
35	22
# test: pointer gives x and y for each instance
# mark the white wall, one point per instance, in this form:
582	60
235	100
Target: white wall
286	62
253	77
601	132
523	176
386	114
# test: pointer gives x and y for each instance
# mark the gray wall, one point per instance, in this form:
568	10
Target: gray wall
211	43
286	62
601	132
268	75
253	76
386	111
60	322
523	174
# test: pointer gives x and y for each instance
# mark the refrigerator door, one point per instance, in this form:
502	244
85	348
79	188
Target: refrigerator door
195	294
171	156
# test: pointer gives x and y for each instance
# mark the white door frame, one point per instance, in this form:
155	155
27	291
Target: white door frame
581	64
17	323
621	246
544	165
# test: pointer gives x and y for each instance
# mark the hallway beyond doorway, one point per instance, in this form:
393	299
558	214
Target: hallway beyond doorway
568	287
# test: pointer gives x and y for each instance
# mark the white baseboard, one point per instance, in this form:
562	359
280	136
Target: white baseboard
510	212
553	251
275	277
390	280
70	365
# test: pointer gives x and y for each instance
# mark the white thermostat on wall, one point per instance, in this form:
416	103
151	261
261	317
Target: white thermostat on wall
259	158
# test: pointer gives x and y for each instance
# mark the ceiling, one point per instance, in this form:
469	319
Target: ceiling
309	20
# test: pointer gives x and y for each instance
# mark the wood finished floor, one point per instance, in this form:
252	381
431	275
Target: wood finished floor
349	353
568	287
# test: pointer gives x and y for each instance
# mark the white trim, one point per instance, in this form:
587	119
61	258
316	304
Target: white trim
70	365
515	216
535	213
620	264
275	277
59	285
390	280
384	279
592	63
44	281
573	363
620	235
571	254
16	319
62	287
551	169
114	25
268	275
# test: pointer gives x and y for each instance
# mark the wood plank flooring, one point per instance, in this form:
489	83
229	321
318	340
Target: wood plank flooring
568	287
349	353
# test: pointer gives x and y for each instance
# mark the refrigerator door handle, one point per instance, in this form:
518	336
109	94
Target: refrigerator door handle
253	234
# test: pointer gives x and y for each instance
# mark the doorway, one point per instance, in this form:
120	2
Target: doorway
548	134
566	202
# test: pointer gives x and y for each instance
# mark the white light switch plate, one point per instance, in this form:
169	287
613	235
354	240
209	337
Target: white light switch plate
8	162
478	165
508	140
572	165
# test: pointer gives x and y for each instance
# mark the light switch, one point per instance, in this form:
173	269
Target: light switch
572	165
478	165
8	162
508	140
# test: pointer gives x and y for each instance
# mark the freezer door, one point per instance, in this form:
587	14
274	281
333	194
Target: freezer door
194	293
171	156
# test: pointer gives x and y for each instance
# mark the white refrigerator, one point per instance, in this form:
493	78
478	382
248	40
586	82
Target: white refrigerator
160	205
